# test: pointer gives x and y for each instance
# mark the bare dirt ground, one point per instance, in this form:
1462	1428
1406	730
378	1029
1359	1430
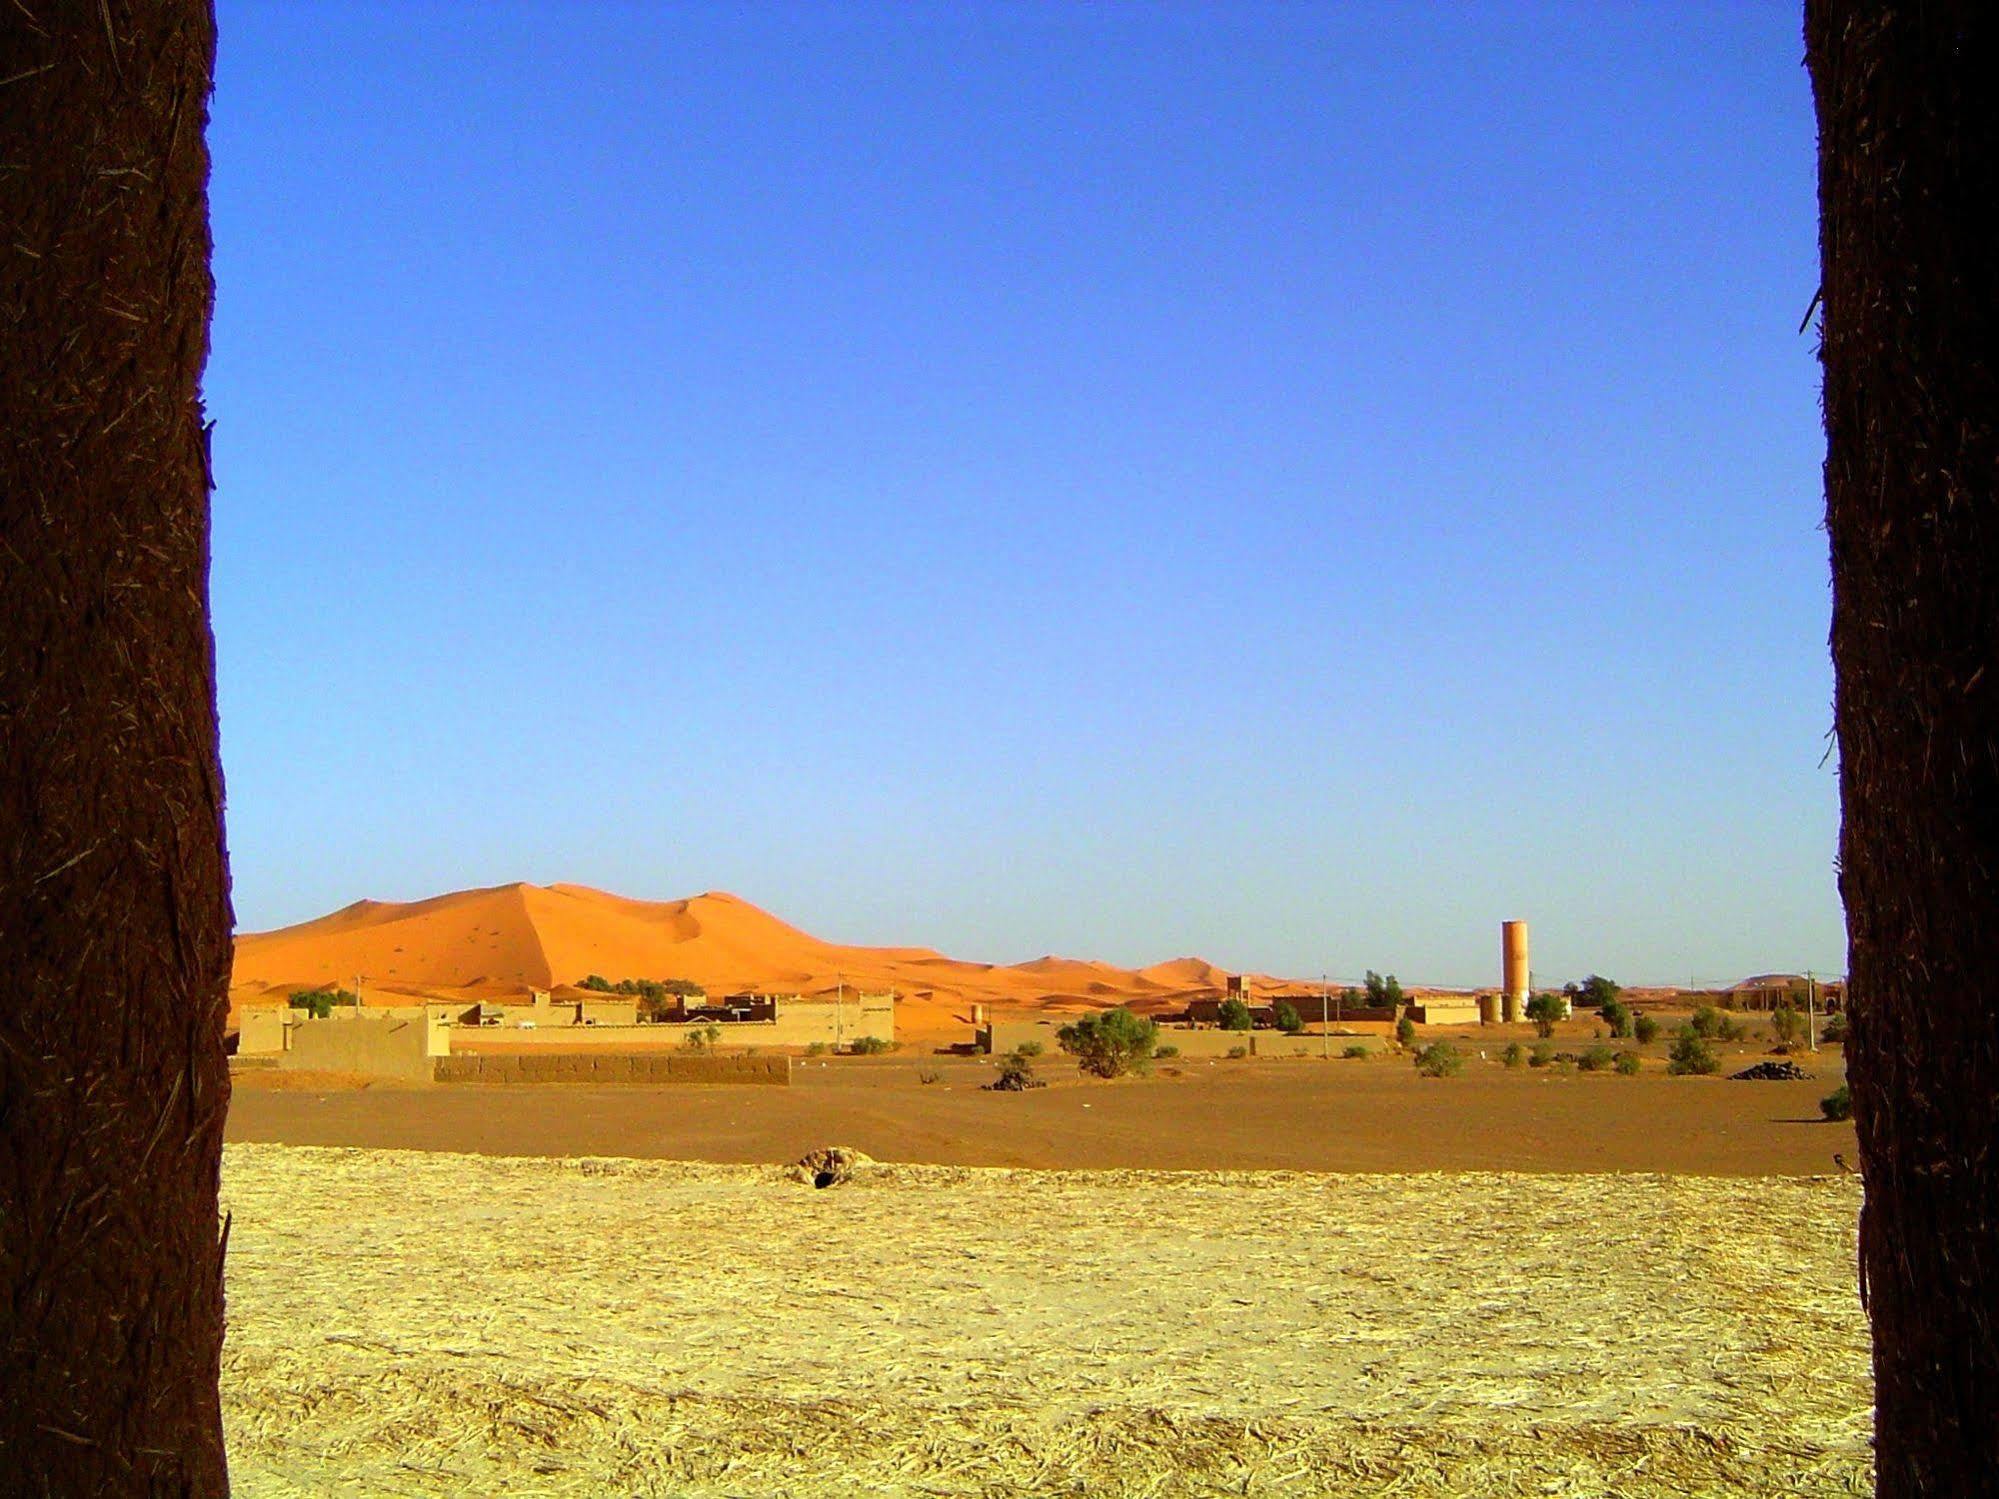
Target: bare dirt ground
439	1324
1305	1115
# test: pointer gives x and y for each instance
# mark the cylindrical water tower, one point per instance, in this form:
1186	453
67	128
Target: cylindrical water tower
1513	962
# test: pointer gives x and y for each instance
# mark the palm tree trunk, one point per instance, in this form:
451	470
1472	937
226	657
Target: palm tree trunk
114	905
1908	113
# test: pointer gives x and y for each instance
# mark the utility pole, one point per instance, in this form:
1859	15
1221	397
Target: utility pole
1325	1034
839	1006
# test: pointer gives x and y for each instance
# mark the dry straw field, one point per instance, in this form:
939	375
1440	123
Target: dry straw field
409	1323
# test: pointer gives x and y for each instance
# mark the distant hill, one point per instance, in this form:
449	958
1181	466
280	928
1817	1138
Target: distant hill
506	938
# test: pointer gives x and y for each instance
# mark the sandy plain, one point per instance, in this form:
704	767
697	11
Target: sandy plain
1302	1115
429	1323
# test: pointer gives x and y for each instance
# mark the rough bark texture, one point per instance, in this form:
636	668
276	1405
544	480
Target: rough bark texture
114	906
1908	110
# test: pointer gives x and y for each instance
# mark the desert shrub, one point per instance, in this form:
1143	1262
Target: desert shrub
1110	1042
702	1038
816	1049
1707	1022
1016	1073
1732	1029
1162	1052
1837	1104
1691	1054
1440	1059
1515	1054
929	1075
1834	1028
1617	1015
596	982
1234	1015
1405	1031
870	1046
1542	1055
1627	1064
1285	1016
1237	1053
1544	1010
1645	1028
1355	1053
1597	1059
1029	1048
1787	1026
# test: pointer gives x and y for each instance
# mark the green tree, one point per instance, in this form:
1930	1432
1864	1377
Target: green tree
1617	1015
1234	1015
319	1003
1383	993
1405	1031
1594	992
1110	1042
1645	1029
1787	1025
1544	1010
1285	1016
595	981
315	1002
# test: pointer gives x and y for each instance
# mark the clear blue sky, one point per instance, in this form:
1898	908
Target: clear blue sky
1294	485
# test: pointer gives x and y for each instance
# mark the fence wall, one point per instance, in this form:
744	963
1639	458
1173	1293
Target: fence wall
381	1047
637	1069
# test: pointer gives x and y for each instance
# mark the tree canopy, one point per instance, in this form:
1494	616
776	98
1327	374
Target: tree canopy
1383	993
1110	1042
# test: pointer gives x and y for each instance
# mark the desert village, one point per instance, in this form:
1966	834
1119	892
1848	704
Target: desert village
659	1030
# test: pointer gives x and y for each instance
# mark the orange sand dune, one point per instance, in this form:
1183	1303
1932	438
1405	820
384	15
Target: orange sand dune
508	938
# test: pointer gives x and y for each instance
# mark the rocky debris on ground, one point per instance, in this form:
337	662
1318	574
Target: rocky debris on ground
1772	1072
830	1166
